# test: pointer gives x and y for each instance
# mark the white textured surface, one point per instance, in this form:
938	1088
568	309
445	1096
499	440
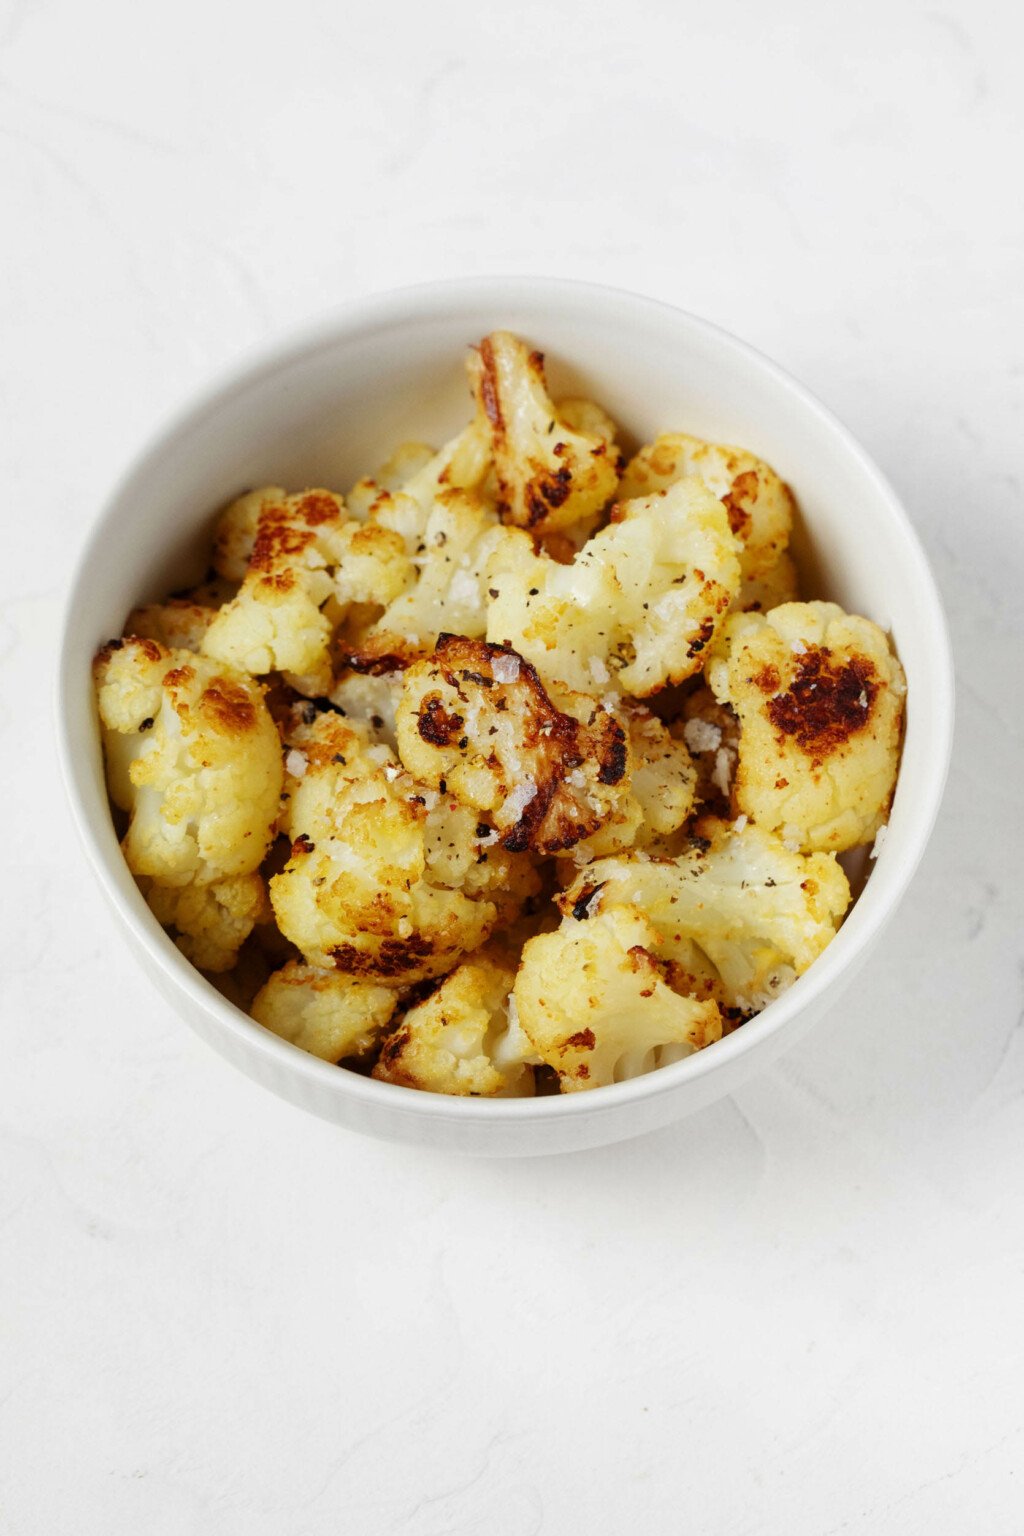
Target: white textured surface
797	1313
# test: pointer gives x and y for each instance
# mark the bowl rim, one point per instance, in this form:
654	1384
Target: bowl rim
868	915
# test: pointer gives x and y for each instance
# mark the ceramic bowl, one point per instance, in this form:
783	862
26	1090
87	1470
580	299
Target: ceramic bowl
322	407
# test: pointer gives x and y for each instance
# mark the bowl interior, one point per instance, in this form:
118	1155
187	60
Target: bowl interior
327	407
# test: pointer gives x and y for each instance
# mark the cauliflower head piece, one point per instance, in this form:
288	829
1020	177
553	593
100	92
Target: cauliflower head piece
326	1013
193	757
637	607
277	623
402	494
738	915
592	1000
458	1040
460	538
758	503
551	474
359	892
819	696
476	719
213	921
236	530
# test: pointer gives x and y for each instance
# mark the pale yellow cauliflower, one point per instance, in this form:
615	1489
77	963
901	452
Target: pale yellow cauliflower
757	913
592	1000
637	607
758	503
458	1040
236	530
476	719
460	538
213	921
326	1013
277	622
819	696
398	468
551	475
402	494
193	757
358	892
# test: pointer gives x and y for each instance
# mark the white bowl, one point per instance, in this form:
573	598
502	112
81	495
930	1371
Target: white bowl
321	408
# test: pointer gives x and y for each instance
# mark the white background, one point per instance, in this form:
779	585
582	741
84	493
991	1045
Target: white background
799	1312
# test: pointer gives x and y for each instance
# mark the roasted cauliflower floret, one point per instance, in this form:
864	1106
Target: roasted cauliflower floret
759	504
277	622
372	566
458	1040
638	606
550	475
194	758
460	538
819	696
757	913
326	1013
477	719
211	922
592	1000
357	893
236	530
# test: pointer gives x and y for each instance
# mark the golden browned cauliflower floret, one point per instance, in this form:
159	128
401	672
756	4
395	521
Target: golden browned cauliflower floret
592	1001
551	475
636	608
460	538
458	1040
476	719
277	622
757	913
326	1013
819	696
759	504
357	892
194	758
236	530
212	922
